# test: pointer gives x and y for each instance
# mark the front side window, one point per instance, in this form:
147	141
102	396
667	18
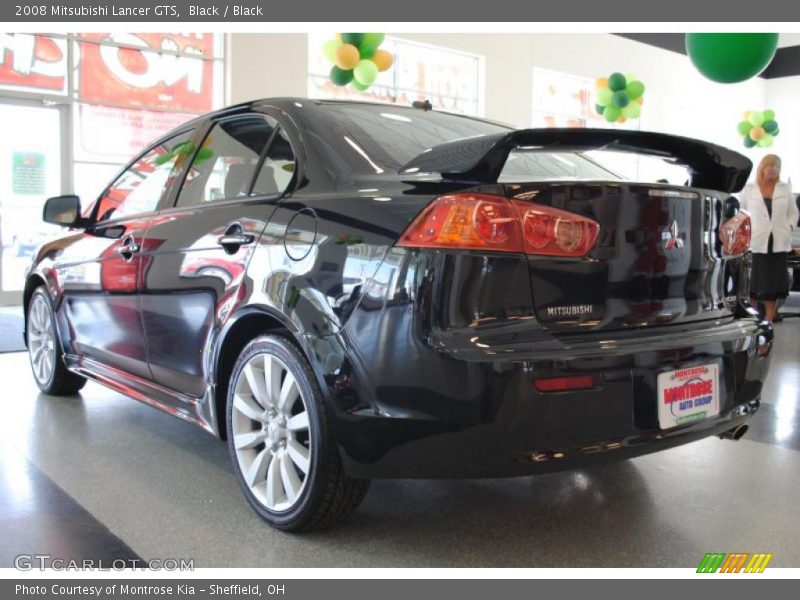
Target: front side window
226	163
140	187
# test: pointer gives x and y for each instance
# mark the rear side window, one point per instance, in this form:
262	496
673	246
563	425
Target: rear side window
277	171
141	186
225	164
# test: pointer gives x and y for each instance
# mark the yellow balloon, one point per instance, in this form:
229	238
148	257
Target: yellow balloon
601	82
346	57
383	60
756	133
747	115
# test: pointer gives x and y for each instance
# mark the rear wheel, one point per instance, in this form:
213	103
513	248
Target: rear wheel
47	358
281	443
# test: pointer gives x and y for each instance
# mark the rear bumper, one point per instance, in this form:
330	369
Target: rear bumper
412	406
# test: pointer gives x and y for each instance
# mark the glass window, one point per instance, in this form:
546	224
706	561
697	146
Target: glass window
278	169
141	186
226	163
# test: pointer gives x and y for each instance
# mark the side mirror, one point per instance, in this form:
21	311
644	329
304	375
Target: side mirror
63	210
730	208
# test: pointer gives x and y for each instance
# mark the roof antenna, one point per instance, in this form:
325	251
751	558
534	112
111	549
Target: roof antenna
424	105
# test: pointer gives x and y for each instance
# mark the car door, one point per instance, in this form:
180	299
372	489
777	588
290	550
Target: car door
99	273
196	254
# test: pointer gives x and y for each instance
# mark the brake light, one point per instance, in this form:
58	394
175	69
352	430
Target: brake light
471	221
564	384
556	232
735	233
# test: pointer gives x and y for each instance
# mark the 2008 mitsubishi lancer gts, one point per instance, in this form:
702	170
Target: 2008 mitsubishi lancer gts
347	291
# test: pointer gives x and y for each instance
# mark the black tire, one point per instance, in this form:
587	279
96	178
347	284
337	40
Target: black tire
328	494
59	381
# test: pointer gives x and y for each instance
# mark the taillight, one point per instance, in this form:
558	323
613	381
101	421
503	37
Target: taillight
470	221
735	233
563	384
556	232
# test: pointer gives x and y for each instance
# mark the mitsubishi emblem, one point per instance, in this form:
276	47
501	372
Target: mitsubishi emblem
671	237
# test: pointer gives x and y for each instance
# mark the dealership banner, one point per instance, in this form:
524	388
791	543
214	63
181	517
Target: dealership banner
398	589
612	11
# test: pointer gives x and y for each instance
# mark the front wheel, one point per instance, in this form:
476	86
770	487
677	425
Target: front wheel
47	359
281	443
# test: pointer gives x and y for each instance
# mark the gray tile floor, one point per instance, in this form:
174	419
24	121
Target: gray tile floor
164	489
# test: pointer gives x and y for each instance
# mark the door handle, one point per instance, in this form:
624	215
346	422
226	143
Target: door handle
128	248
234	238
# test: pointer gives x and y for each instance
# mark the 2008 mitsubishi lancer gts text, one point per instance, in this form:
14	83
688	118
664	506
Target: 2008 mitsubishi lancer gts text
346	291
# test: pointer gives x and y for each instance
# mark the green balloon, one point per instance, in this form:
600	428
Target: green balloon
612	113
358	86
744	128
367	49
374	39
731	57
366	72
776	132
770	126
599	108
633	110
340	76
604	96
329	49
635	89
749	142
621	99
353	38
769	115
203	154
617	82
766	141
756	118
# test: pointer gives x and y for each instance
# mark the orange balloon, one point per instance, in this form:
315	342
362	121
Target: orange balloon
383	60
622	119
346	57
601	82
756	133
640	100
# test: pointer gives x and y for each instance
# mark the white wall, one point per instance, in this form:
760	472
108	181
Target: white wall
783	96
678	99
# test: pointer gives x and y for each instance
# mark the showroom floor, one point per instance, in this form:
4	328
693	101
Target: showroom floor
106	477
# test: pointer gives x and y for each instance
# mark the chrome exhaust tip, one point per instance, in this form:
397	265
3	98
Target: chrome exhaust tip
734	434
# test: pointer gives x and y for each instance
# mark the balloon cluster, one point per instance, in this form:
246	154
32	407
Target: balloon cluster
758	128
619	97
357	59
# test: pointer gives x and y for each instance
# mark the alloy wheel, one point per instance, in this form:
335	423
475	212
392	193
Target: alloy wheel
41	339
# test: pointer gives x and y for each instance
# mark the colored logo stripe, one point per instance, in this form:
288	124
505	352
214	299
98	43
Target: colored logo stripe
758	563
734	562
711	562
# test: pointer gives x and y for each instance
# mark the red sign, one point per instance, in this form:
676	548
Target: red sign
33	62
146	77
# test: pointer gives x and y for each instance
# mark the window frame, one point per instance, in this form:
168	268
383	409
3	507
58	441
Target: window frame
172	205
191	128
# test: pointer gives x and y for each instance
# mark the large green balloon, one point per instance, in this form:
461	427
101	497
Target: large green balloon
635	89
366	72
621	99
617	82
353	38
744	128
340	76
612	113
604	96
770	126
731	57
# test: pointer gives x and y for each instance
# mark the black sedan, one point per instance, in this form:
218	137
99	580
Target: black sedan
349	291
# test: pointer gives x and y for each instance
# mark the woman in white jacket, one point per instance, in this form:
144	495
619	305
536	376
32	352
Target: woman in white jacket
773	214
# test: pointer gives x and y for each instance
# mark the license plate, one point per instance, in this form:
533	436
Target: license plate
688	395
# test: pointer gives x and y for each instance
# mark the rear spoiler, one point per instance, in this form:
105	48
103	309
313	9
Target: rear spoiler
480	159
